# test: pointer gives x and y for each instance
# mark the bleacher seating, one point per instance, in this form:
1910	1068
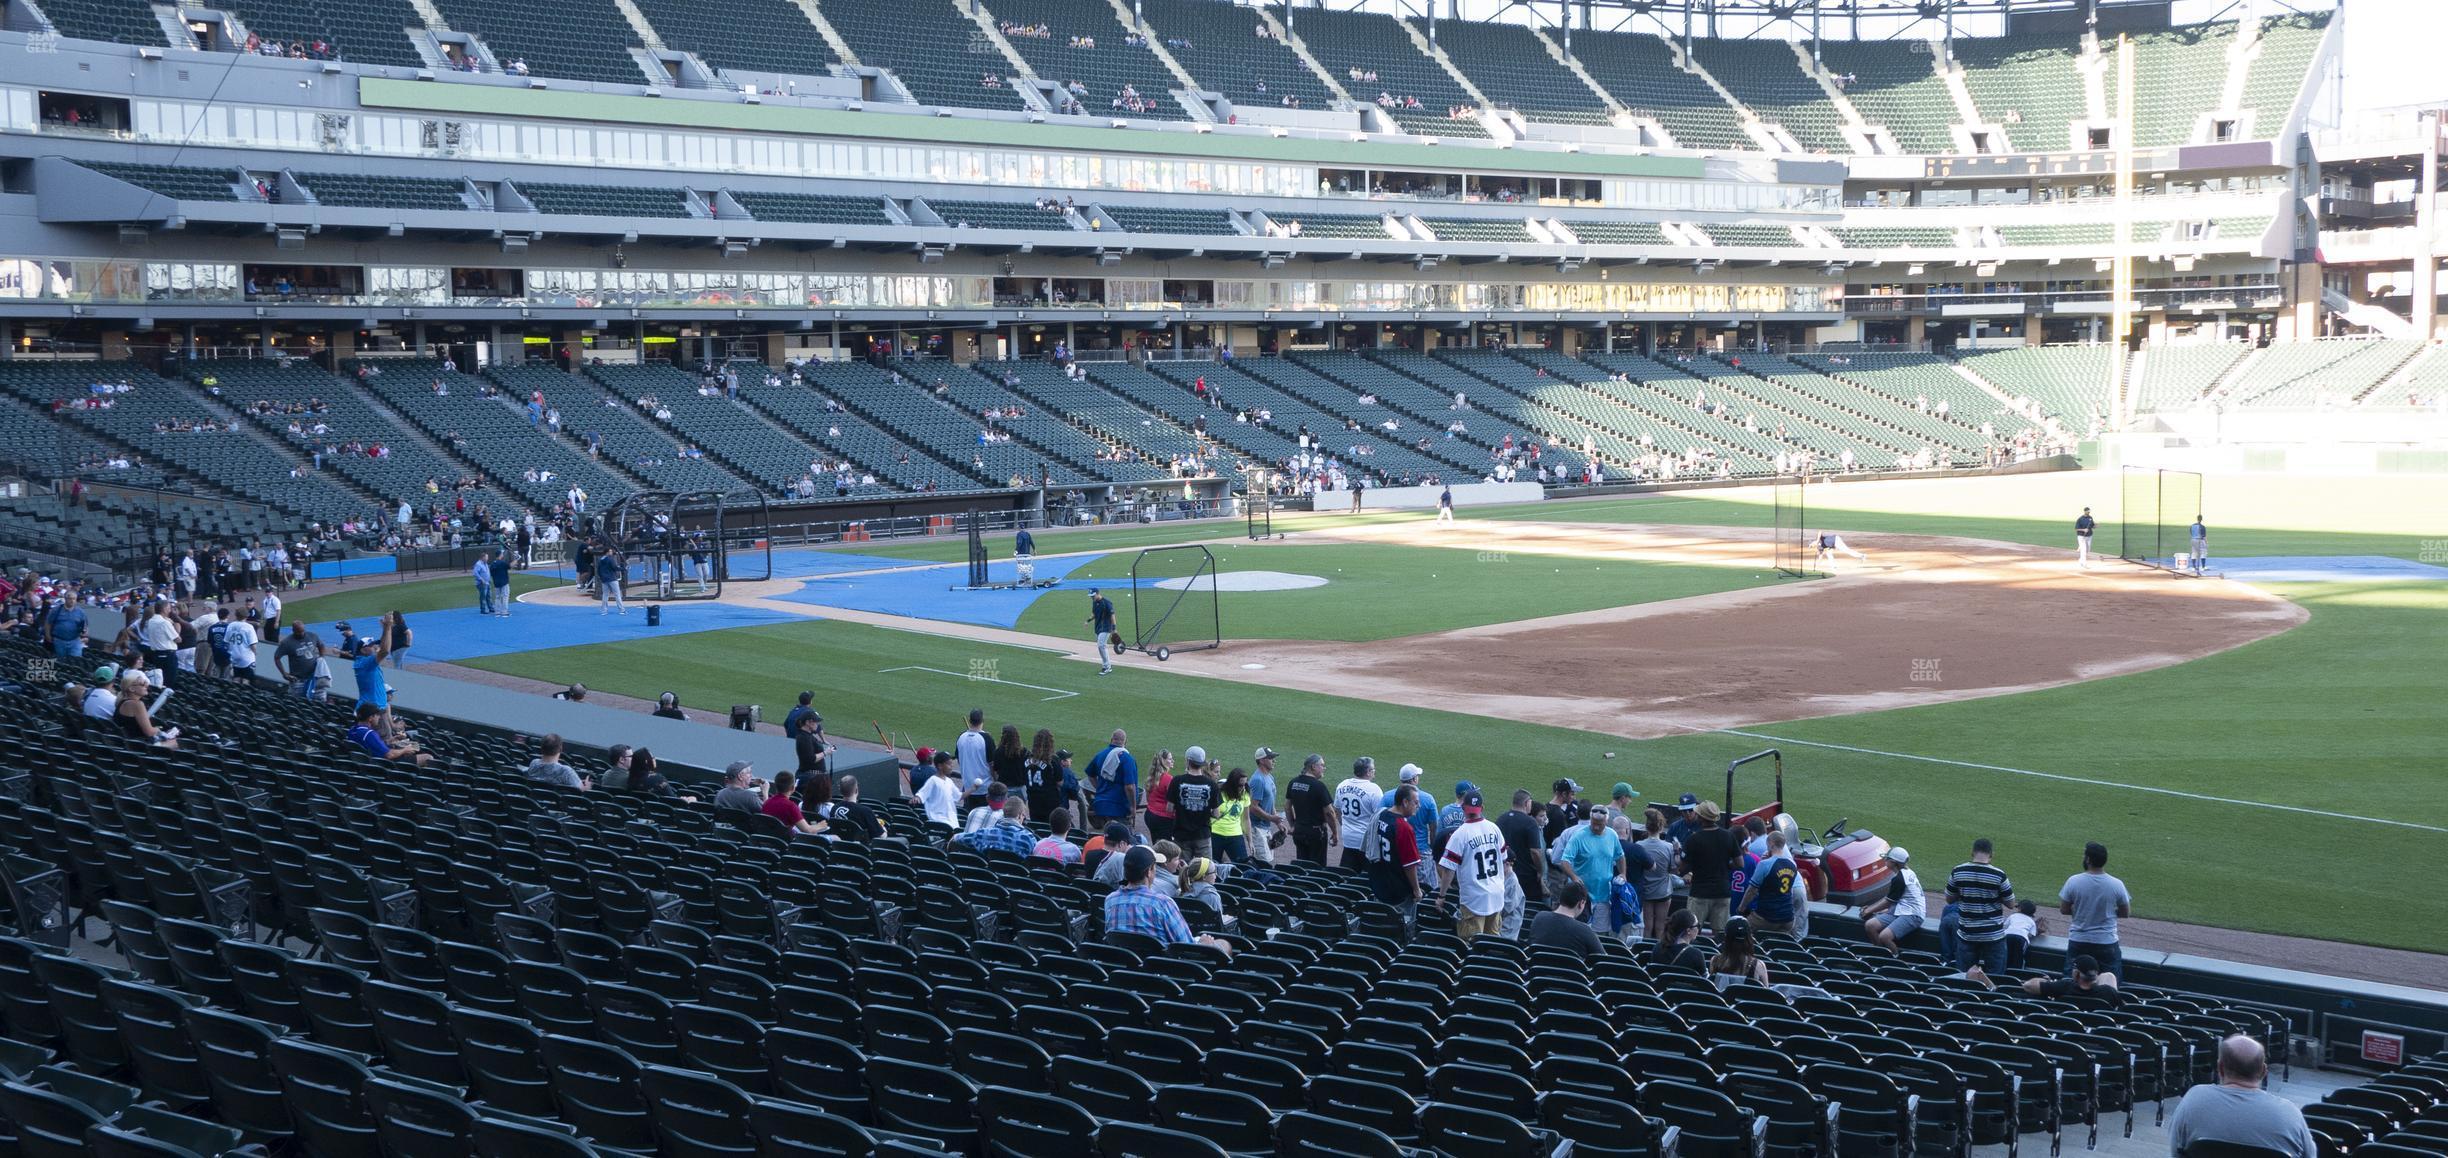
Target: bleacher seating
116	21
1174	400
934	426
239	463
1044	428
172	181
351	189
406	469
1558	401
1410	399
1387	454
756	35
1881	410
812	208
1103	70
2072	233
2174	377
2334	373
459	961
358	31
606	200
1106	416
577	39
2280	67
996	214
1902	392
2027	84
631	442
1346	40
1351	225
1226	56
727	431
2178	76
1765	76
1895	84
1666	387
895	462
1639	71
1617	232
1508	64
1771	395
1895	237
1154	219
2069	383
1751	235
1477	229
930	46
2424	385
494	434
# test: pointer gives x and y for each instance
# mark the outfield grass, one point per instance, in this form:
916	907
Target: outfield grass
1382	591
381	595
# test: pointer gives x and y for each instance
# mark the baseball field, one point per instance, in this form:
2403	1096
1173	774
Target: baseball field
2234	741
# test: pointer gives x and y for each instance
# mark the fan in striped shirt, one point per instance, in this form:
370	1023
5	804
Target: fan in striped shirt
1980	892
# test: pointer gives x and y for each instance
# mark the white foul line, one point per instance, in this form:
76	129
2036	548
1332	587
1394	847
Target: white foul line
1059	694
2079	780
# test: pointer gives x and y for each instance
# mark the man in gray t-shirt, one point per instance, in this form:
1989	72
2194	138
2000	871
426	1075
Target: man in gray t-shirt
2237	1109
739	790
2093	901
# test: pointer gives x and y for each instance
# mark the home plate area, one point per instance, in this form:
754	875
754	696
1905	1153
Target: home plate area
1243	581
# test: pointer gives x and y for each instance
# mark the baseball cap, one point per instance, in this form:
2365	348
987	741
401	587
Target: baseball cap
1690	801
1095	591
1624	788
1471	804
1465	788
342	627
735	768
1409	773
106	673
1117	834
1061	754
1195	755
1264	753
923	756
1566	784
1898	855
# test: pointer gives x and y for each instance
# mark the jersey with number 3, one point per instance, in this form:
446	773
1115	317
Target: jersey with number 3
1476	854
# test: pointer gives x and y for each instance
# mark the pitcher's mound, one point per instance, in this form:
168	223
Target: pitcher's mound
1244	581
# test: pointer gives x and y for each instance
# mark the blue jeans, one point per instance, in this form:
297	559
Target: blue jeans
1948	942
2110	955
1990	955
484	597
1231	848
68	648
501	600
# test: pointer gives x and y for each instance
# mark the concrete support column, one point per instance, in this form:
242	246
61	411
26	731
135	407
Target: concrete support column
2032	329
1914	330
2424	311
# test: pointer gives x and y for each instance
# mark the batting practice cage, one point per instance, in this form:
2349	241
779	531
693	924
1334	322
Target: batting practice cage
1261	511
2160	506
687	544
1796	551
1174	602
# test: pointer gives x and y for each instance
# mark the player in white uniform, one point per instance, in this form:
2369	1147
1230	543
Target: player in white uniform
2082	538
1832	544
1356	803
1476	870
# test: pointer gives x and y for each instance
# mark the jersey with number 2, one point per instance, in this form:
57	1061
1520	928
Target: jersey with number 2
1476	854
